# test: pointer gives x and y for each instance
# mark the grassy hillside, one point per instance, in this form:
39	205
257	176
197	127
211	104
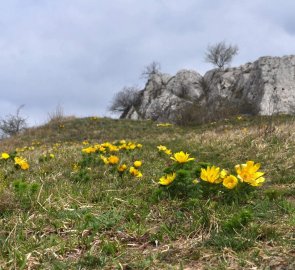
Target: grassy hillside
70	210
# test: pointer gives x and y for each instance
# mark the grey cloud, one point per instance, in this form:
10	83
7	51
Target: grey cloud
79	53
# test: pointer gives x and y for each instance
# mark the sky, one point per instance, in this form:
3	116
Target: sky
76	54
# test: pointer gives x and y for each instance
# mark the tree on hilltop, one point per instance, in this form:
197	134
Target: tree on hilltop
221	54
153	68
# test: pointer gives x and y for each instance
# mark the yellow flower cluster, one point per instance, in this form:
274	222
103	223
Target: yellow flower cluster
22	163
112	160
247	173
122	168
111	148
164	149
26	148
179	157
18	161
135	172
46	156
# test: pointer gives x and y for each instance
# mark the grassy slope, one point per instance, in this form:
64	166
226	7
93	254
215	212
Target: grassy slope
112	223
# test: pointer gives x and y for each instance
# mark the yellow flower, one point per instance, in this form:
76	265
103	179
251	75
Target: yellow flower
181	157
113	148
167	179
22	163
230	181
139	145
106	144
85	142
122	168
249	173
135	172
137	163
104	159
211	175
131	146
113	160
25	165
5	156
162	148
99	148
196	181
17	160
168	152
51	155
223	173
123	146
89	150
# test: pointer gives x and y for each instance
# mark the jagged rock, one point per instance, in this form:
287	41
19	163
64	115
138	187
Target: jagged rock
132	114
227	89
164	96
274	91
186	84
265	87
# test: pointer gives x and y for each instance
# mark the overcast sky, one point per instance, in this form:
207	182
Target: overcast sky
79	53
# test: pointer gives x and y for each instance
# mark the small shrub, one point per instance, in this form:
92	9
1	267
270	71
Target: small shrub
57	116
13	124
125	99
153	68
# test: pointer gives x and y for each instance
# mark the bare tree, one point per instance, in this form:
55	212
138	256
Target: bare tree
13	124
220	54
151	69
125	99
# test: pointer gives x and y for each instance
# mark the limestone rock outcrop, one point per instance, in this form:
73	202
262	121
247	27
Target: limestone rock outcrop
265	87
164	96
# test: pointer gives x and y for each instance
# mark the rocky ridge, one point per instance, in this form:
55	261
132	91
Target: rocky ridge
264	87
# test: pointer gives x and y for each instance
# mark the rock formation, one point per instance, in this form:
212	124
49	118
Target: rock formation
265	87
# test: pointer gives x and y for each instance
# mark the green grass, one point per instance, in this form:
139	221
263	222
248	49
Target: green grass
54	218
